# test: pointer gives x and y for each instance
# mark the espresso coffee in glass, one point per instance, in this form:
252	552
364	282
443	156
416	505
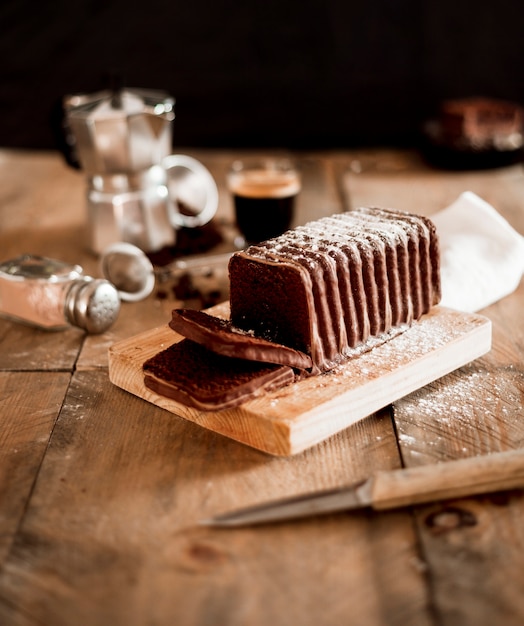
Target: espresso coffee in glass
264	193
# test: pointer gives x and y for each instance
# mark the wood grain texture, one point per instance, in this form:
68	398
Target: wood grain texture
29	349
110	535
98	516
29	406
483	474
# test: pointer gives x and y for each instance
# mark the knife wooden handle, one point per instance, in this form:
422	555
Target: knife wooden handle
443	481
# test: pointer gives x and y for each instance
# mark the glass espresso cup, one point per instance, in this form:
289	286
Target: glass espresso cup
264	192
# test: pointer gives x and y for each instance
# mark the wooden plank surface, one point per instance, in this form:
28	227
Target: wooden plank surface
404	182
26	424
298	416
98	518
471	547
110	534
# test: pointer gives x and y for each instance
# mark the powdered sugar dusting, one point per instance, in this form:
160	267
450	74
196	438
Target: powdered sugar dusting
474	410
421	339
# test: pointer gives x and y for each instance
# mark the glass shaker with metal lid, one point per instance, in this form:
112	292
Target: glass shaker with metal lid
53	295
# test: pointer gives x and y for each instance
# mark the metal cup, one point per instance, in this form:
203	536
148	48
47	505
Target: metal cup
147	208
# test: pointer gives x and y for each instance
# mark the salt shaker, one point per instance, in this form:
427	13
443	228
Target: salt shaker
53	295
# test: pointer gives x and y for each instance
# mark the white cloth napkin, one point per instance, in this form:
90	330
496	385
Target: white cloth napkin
482	256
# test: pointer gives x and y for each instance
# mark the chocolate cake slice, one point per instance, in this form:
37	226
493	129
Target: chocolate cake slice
325	294
194	376
220	336
475	132
482	123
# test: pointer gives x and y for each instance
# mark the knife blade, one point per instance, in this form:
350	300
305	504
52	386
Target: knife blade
392	489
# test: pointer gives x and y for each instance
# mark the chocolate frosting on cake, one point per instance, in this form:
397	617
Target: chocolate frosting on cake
326	287
220	336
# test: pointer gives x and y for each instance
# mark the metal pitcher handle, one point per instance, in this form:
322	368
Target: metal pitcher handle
191	185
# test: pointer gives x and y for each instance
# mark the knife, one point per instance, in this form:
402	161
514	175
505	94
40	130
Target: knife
391	489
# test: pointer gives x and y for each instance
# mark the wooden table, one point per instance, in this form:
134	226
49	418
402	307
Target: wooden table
101	492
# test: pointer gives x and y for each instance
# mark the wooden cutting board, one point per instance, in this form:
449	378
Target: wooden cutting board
296	417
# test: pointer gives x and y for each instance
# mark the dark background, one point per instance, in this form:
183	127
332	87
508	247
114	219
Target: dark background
297	74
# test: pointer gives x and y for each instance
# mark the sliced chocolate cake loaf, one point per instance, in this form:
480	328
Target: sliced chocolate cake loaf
300	304
327	287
